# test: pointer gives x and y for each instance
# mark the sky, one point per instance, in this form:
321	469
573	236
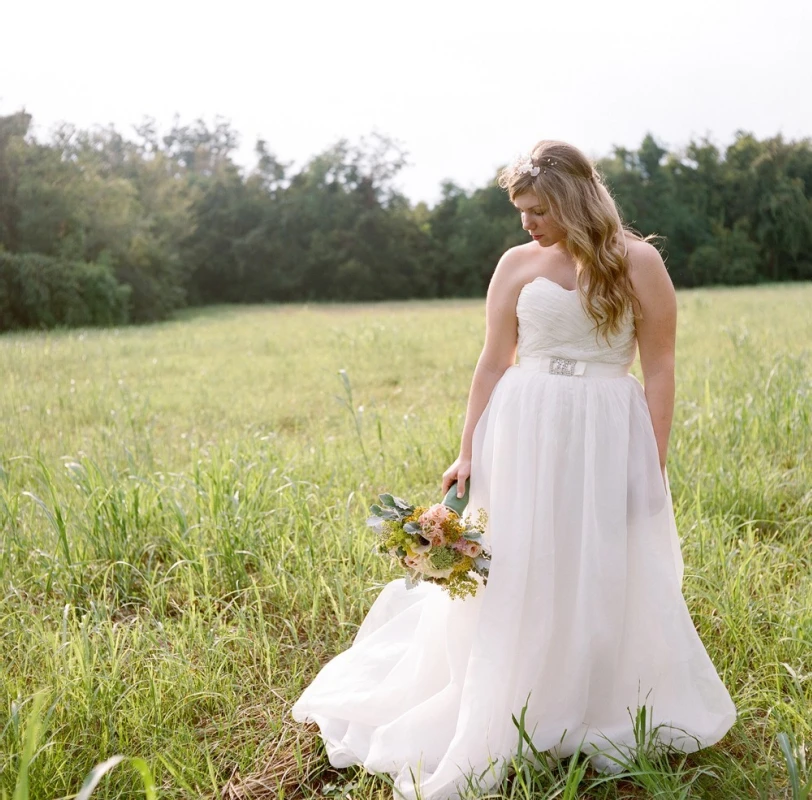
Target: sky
462	87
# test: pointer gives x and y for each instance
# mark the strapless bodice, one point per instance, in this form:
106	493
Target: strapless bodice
553	322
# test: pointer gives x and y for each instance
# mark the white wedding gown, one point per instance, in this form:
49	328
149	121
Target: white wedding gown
583	617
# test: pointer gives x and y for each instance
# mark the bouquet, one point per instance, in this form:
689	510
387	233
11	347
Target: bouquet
433	543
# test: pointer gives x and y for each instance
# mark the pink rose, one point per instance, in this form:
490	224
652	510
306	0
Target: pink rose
471	549
435	515
416	562
431	521
435	536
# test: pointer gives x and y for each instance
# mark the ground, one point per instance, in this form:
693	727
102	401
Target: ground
182	508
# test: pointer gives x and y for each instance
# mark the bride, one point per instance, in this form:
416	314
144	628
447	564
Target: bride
582	622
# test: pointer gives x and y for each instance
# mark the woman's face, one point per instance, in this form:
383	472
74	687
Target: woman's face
536	220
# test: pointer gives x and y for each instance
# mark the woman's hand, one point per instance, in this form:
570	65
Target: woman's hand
459	471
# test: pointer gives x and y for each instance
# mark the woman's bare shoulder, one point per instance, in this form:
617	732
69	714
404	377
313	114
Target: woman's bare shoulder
647	270
641	251
518	254
653	287
511	270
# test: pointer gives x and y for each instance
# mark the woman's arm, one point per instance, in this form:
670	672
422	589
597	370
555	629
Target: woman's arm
656	338
498	353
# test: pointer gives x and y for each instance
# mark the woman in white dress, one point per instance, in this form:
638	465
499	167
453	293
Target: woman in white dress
583	621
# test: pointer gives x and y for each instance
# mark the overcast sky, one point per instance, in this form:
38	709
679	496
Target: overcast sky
463	86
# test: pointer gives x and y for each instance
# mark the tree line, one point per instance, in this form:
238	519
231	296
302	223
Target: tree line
98	228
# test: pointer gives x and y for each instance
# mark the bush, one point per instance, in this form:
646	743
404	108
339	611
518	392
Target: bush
729	258
38	291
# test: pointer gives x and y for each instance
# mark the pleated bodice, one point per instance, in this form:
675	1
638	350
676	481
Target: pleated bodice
552	321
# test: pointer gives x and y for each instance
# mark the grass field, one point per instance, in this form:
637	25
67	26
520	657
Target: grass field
183	543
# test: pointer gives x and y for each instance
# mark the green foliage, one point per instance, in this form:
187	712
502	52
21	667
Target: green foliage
443	558
30	736
730	255
95	197
38	291
180	223
800	779
742	216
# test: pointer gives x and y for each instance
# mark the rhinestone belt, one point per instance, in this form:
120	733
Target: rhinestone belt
558	365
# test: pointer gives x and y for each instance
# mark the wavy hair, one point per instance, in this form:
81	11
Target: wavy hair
579	202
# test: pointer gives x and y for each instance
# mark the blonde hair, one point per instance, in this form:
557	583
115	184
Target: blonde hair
579	202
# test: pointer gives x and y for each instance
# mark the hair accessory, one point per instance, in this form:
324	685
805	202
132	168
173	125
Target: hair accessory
526	165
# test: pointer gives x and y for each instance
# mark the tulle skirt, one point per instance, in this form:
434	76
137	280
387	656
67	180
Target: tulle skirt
582	621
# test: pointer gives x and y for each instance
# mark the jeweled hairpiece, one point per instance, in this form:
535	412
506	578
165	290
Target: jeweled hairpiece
526	165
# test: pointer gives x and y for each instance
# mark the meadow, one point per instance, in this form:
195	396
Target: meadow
182	510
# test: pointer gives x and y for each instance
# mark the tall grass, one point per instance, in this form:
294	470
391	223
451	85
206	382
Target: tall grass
183	543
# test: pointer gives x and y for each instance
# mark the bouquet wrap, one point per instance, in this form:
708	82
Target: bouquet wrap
455	503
